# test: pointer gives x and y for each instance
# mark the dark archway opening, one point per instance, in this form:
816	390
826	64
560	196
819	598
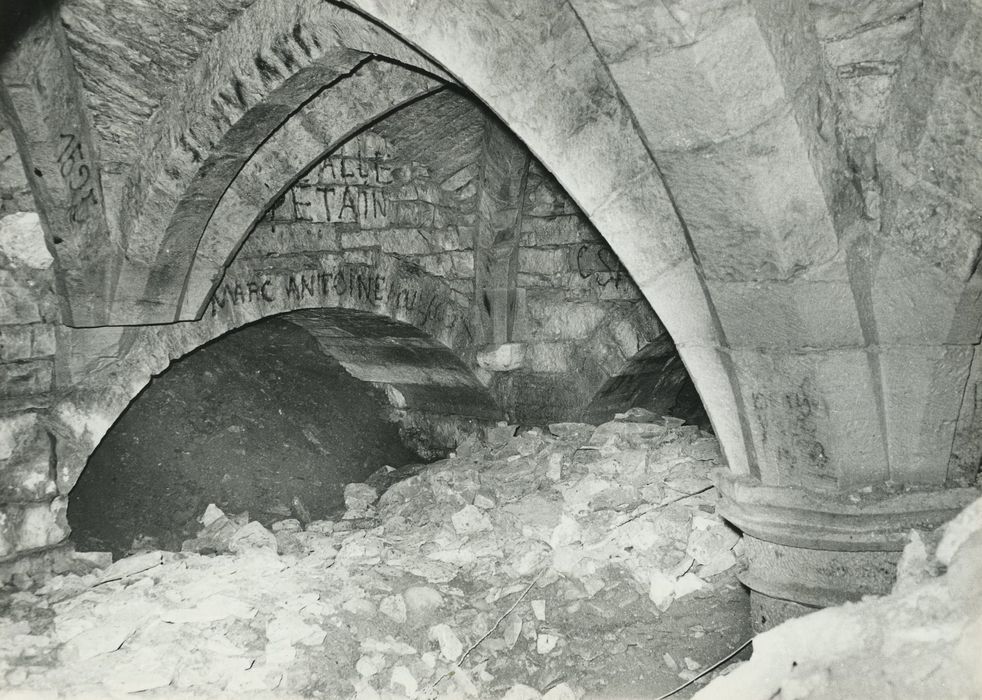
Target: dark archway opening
258	420
654	379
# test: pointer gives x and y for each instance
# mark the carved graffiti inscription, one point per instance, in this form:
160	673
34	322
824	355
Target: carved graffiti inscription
356	284
78	175
600	263
348	187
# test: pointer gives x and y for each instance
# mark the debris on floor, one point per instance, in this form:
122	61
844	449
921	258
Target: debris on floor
921	641
528	566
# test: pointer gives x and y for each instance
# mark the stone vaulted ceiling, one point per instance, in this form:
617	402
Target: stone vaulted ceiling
795	187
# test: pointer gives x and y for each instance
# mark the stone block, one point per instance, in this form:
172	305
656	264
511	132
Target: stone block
548	357
557	230
936	231
864	99
25	459
414	214
418	191
454	264
555	319
752	204
679	299
617	288
948	154
87	351
461	180
289	237
19	304
914	303
798	314
27	378
626	337
922	391
544	261
15	343
43	340
26	342
645	257
24	527
22	241
404	241
705	92
548	199
813	416
502	358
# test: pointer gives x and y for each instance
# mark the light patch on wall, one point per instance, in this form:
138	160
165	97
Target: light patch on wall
86	426
22	240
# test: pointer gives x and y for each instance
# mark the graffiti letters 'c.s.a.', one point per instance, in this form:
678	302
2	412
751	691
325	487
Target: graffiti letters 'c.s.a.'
599	262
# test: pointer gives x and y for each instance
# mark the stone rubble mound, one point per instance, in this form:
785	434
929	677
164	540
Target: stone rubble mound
462	579
924	640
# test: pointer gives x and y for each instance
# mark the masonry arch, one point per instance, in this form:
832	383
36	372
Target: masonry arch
334	115
655	379
275	418
602	162
272	60
385	320
604	166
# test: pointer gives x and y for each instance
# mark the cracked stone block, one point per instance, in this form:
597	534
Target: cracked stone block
26	342
18	303
549	357
25	378
25	459
22	241
28	526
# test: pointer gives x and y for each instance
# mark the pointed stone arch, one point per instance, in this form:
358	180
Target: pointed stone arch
378	297
341	109
545	80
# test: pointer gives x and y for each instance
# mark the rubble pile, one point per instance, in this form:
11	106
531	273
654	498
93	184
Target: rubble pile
507	570
921	641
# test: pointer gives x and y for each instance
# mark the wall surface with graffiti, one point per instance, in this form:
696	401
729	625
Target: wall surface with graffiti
528	265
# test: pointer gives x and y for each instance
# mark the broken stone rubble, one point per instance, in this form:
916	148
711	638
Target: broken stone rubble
920	641
461	579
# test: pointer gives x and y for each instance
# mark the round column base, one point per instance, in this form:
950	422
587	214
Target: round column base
767	612
806	550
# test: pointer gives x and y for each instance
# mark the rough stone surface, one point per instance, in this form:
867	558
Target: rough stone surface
407	601
919	641
25	459
29	526
22	241
794	187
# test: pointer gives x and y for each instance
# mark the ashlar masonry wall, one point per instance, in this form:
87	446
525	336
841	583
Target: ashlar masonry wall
577	315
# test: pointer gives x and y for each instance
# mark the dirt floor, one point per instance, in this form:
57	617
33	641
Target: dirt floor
250	422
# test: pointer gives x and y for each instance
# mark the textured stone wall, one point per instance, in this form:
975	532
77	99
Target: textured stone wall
793	186
577	315
32	515
364	197
583	317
